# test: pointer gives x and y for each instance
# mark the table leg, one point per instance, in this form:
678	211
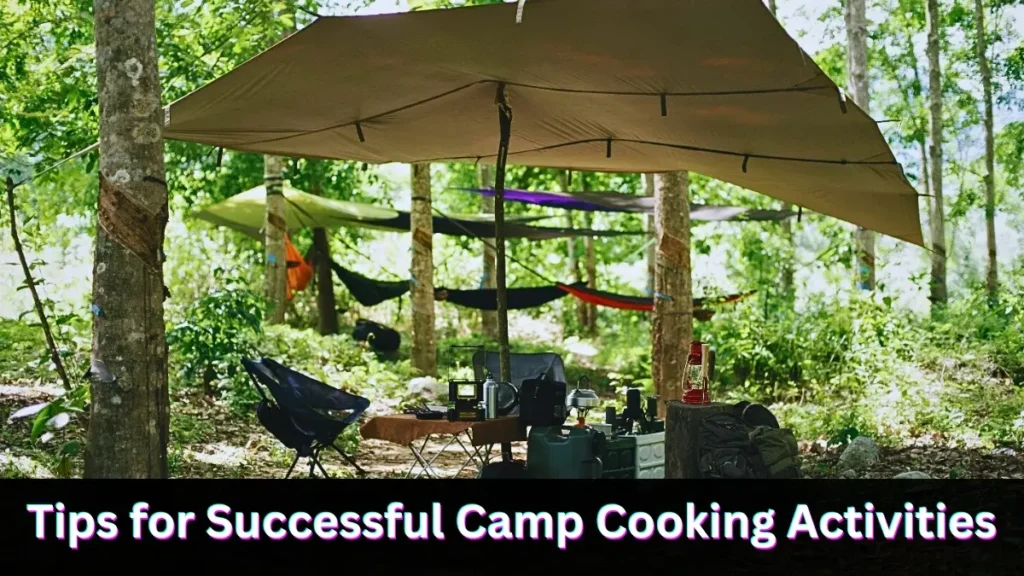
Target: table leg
430	464
474	456
419	458
427	466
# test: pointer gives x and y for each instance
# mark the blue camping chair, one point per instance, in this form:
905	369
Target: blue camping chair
304	413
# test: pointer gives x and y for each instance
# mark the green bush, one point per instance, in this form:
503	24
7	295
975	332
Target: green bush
218	331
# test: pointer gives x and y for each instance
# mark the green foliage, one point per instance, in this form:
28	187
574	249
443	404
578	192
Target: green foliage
49	421
219	330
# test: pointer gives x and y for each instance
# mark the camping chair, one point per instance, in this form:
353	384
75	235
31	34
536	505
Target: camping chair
301	413
523	366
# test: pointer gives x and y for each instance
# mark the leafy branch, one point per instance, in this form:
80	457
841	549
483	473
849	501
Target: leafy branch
40	311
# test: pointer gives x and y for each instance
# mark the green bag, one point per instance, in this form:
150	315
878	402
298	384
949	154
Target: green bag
778	450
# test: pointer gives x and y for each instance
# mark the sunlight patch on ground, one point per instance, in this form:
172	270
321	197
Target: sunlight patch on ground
25	466
579	347
219	454
40	391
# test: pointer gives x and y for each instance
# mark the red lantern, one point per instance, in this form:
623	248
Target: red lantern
695	384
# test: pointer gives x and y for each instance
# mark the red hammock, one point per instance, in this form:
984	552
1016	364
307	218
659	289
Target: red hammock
607	299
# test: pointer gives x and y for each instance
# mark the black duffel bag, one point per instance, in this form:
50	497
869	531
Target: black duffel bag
542	402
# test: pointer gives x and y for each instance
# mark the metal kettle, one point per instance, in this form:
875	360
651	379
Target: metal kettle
583	400
492	392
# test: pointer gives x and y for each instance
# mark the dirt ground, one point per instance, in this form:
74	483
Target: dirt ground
209	441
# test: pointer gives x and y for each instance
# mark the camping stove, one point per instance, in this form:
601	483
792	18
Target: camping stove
583	400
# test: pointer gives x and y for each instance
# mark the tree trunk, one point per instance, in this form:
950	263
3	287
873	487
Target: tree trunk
652	253
326	305
424	353
574	260
588	220
859	82
673	307
488	318
275	227
925	181
683	423
128	426
992	276
938	219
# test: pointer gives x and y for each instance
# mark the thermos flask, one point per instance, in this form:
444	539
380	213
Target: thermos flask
490	398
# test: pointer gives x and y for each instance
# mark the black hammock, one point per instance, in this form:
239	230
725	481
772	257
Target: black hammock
370	292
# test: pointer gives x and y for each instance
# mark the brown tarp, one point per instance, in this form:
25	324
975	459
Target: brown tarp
712	86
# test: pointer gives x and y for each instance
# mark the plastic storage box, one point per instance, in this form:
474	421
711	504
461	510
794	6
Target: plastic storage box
650	456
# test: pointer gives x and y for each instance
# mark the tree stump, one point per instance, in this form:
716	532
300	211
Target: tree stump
682	437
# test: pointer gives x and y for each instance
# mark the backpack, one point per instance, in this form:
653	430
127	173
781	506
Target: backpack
379	336
778	450
726	450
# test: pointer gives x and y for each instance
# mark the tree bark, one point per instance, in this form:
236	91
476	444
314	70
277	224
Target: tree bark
574	260
992	275
128	426
859	82
938	219
488	318
326	305
275	228
673	306
652	253
682	437
424	352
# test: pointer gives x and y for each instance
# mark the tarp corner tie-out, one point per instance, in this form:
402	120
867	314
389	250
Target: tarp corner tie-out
359	132
664	105
746	158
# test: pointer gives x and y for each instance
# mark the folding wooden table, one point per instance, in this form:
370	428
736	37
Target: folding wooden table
406	429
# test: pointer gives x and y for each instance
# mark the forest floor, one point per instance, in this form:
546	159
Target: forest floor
210	441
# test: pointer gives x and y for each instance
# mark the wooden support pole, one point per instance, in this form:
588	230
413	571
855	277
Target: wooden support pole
505	130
